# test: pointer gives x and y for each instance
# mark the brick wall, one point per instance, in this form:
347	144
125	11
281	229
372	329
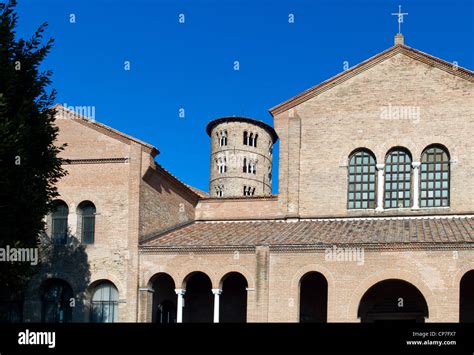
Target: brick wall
321	133
241	208
275	277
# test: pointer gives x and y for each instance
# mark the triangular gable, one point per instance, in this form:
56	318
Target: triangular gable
62	111
367	64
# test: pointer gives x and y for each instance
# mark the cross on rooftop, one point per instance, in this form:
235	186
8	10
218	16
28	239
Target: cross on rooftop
400	15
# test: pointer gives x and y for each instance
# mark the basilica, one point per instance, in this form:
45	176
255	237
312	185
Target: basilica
373	220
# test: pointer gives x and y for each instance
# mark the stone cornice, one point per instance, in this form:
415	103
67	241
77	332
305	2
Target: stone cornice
95	161
295	248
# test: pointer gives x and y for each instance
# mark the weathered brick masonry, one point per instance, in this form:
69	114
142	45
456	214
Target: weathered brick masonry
152	230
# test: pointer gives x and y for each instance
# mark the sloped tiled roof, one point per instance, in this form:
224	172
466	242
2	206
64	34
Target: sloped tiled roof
397	230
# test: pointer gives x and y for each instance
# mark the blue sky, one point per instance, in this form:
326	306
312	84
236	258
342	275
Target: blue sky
191	65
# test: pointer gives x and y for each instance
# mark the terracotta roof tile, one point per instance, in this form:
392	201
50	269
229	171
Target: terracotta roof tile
452	229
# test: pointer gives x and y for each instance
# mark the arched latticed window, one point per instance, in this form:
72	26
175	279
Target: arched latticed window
86	222
398	179
56	298
435	175
361	188
59	222
104	303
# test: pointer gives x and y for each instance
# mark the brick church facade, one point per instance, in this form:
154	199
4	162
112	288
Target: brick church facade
373	219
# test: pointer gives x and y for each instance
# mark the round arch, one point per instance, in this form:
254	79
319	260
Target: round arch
186	273
96	283
393	299
233	299
153	277
466	297
56	295
367	283
361	149
199	300
164	299
344	157
405	144
398	148
460	273
436	145
294	296
84	203
36	282
107	277
102	301
224	272
313	298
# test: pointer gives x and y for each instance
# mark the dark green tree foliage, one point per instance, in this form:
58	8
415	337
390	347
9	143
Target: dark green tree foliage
29	162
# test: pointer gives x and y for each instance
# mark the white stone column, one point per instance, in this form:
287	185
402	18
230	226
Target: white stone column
179	313
380	186
217	292
416	185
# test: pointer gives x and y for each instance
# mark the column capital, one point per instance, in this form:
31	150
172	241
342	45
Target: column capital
380	166
415	164
180	291
146	289
216	291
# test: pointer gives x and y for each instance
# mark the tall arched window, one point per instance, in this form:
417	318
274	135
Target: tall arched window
435	175
222	137
361	187
56	296
104	303
246	137
397	179
252	167
59	222
86	222
221	165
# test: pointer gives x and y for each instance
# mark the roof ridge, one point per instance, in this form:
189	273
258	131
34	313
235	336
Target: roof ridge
342	219
172	176
94	124
367	64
